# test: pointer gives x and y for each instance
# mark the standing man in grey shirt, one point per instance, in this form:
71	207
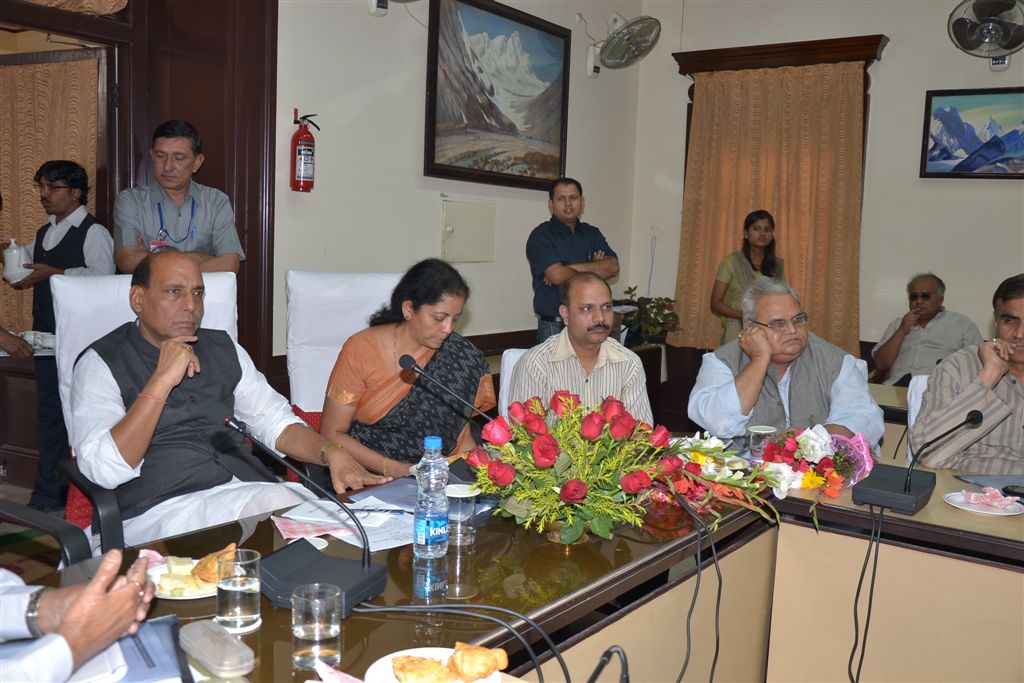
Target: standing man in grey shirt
178	212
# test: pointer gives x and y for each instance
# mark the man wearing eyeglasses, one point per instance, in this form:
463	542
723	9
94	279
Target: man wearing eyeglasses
778	374
988	377
927	333
178	212
71	243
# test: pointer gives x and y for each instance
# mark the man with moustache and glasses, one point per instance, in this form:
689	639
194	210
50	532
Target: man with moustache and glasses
780	375
71	243
915	343
582	358
986	377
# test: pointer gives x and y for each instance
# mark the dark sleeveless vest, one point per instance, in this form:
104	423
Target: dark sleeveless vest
810	384
69	253
191	450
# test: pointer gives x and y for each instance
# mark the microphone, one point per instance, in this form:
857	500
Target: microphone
407	362
972	421
890	486
358	580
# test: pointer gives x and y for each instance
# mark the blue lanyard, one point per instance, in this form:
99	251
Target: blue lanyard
191	224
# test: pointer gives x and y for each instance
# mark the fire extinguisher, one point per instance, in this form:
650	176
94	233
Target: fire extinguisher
303	153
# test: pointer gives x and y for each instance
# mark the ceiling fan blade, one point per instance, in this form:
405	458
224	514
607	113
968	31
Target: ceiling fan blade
1015	40
986	9
966	33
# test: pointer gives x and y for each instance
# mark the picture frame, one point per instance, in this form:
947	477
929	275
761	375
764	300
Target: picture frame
976	133
497	100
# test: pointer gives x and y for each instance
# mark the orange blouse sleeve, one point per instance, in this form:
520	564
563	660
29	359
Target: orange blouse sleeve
485	399
349	377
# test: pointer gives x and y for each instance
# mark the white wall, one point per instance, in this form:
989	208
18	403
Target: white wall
372	209
970	232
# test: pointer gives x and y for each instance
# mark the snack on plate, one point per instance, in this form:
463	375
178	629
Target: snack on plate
179	565
183	585
206	568
421	670
473	662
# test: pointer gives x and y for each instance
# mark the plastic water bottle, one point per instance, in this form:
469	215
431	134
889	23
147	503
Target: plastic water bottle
430	525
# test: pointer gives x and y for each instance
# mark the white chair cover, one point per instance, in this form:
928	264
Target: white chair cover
324	310
86	308
918	383
509	358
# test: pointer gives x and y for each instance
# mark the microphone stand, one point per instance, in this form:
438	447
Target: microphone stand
407	362
358	581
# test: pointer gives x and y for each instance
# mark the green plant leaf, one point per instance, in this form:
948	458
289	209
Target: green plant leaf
515	507
572	532
602	526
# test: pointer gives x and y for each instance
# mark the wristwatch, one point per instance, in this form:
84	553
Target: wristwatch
32	613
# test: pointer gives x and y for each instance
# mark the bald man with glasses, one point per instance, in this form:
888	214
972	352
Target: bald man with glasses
915	343
780	375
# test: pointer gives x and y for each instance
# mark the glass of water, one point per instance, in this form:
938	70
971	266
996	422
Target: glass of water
461	514
757	438
238	591
316	625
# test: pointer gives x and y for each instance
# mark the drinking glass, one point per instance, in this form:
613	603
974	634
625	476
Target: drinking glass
238	591
461	514
316	625
757	437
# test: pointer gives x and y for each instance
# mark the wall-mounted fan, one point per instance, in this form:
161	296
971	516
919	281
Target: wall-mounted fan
627	43
988	28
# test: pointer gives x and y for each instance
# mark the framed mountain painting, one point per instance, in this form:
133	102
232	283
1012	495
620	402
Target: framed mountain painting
497	95
973	134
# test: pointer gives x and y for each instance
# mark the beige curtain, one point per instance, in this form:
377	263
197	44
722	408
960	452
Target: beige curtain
47	111
95	7
789	140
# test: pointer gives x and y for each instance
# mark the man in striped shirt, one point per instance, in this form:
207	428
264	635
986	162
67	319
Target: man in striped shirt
987	377
582	358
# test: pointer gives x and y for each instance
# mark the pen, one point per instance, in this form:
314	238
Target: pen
389	511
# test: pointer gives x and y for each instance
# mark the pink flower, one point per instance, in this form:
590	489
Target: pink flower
517	411
693	468
592	426
659	437
535	424
670	464
573	491
612	407
502	474
622	426
478	457
497	432
561	398
635	482
545	450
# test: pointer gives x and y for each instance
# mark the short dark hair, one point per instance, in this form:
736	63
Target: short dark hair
427	282
176	128
565	288
68	171
1010	288
564	181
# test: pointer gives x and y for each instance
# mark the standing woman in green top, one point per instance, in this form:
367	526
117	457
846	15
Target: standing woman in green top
739	269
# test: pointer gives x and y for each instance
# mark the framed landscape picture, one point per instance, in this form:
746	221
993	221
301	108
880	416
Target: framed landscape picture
497	95
973	134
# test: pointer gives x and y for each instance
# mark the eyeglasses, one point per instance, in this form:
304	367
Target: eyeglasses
924	296
797	321
46	187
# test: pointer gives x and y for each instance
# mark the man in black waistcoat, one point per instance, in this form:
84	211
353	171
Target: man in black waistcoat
70	243
148	402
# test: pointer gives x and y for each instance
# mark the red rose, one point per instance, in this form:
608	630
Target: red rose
562	399
612	407
622	426
535	424
501	473
517	411
545	450
659	437
800	465
635	482
693	468
592	426
497	432
792	445
825	464
535	405
772	452
573	491
478	457
671	464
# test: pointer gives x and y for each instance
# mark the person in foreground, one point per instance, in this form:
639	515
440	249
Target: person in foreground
148	402
927	333
582	358
48	633
740	268
988	377
378	412
780	375
178	212
562	247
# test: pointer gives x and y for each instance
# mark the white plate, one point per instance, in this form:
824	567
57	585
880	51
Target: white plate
956	499
154	575
381	671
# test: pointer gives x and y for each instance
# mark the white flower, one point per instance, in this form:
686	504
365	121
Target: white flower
815	444
782	477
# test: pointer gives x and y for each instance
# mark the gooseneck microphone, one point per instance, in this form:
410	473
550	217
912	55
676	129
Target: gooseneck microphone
407	362
358	580
972	421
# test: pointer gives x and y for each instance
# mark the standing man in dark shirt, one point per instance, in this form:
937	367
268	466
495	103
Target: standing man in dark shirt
562	247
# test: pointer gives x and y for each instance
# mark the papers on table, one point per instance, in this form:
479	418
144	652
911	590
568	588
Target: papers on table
383	530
